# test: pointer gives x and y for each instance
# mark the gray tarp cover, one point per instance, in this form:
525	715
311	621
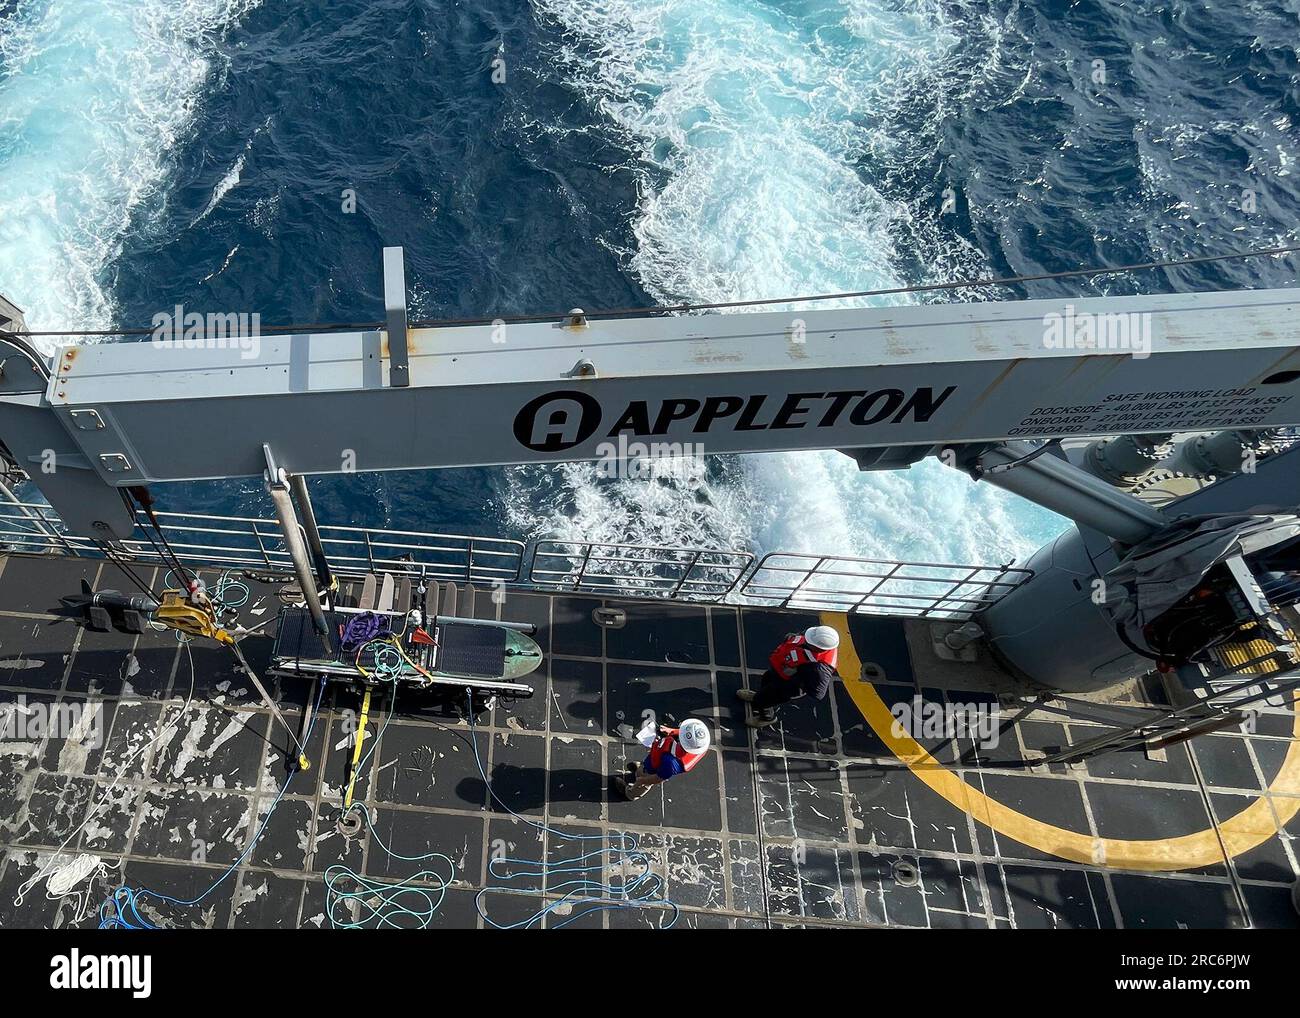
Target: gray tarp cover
1162	570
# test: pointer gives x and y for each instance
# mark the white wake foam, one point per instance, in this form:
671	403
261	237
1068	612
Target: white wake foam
94	97
752	134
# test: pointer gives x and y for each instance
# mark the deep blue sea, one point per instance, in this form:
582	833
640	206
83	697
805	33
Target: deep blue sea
197	152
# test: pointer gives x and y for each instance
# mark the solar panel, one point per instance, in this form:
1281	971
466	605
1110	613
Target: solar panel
472	650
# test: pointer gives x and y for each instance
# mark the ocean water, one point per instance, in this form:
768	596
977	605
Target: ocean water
156	152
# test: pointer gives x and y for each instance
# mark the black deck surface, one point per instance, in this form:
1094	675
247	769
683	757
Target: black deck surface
814	822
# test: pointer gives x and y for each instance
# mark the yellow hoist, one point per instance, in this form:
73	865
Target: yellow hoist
178	611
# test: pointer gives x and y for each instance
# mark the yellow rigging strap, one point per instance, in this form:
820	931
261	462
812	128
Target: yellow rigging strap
356	749
390	642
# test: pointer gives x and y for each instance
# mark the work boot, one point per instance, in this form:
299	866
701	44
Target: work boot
631	790
746	695
762	719
620	786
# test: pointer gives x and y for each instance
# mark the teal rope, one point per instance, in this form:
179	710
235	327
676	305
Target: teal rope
584	895
356	902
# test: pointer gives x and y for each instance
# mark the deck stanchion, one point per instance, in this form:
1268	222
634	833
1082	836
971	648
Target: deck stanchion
303	498
278	487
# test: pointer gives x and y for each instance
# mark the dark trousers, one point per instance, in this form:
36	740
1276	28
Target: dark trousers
774	691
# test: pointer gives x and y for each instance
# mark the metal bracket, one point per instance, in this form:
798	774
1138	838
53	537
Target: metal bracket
275	477
584	368
399	367
86	420
609	617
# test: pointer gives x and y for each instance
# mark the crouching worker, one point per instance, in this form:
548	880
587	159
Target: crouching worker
673	751
803	665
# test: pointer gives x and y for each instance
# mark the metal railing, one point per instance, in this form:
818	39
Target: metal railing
688	574
245	542
779	579
877	587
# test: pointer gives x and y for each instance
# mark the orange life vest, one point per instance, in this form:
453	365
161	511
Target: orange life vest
796	651
669	744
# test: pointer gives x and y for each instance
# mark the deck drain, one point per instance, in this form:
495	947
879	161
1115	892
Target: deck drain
349	823
871	672
609	618
906	874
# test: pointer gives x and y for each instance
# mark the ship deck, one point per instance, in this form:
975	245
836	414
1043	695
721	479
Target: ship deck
827	819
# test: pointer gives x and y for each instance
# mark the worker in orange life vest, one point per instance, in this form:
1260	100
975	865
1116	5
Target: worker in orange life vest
674	751
803	665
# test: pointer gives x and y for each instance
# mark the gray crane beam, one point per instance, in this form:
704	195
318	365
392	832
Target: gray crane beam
929	375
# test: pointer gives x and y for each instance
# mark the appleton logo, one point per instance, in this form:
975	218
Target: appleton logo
557	421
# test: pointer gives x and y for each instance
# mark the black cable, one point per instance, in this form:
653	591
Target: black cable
1131	645
130	574
144	500
162	557
146	506
113	557
916	288
1001	468
717	305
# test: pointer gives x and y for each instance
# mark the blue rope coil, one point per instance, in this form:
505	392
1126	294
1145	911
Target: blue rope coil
357	901
581	896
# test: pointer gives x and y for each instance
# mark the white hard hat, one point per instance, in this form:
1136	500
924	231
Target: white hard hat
694	735
822	637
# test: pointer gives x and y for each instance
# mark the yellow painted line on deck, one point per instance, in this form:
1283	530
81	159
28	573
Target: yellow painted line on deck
1251	827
